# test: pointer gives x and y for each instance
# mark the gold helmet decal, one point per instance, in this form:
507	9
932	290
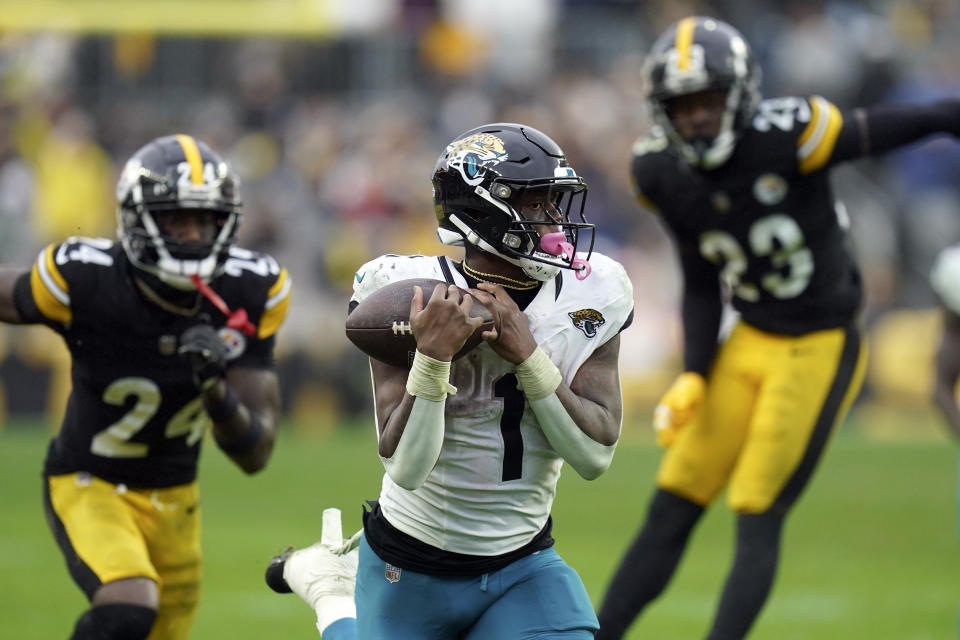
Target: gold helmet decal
471	154
588	321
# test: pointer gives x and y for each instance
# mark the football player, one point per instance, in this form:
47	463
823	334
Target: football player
459	543
945	279
170	330
742	185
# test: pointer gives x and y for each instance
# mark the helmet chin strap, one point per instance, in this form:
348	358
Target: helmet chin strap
556	245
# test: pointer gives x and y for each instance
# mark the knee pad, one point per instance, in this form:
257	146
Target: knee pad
115	622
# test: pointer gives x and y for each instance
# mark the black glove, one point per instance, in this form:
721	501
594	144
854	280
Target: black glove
206	353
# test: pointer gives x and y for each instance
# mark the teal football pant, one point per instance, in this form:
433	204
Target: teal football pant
538	596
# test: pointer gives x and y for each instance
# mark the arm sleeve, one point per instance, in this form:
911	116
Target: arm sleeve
874	130
701	311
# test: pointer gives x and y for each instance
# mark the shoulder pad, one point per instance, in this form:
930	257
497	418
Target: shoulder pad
391	268
647	168
276	306
608	284
615	278
62	267
261	283
653	142
813	123
945	277
245	263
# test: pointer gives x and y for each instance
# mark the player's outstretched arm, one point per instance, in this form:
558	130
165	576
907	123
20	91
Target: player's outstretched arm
8	280
948	372
243	403
880	128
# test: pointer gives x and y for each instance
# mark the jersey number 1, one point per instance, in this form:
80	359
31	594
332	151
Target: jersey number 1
513	401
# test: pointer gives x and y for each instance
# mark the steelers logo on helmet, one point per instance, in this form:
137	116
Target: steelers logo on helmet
480	183
176	174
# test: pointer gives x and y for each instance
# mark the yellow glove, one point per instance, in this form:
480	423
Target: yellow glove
677	406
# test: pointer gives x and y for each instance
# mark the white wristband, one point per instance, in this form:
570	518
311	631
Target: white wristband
429	378
538	376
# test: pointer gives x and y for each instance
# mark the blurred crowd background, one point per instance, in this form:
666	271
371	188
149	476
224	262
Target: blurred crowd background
334	111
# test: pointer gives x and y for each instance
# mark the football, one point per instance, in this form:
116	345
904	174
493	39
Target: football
380	325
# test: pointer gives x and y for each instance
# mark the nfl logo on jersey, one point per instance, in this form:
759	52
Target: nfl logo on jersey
392	573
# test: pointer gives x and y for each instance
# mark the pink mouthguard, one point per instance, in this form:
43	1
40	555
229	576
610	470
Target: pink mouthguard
556	245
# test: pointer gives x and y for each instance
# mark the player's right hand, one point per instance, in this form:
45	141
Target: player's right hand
443	324
514	342
206	352
678	406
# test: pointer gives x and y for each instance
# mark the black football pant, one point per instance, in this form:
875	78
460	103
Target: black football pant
653	557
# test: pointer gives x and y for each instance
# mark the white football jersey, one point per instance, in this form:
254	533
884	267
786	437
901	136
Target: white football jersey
945	277
485	497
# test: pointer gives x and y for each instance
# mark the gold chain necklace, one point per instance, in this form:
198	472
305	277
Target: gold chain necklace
503	281
155	298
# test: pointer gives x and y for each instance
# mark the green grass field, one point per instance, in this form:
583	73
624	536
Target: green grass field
870	552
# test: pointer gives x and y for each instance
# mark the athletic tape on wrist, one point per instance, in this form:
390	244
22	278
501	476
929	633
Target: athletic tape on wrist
429	378
538	376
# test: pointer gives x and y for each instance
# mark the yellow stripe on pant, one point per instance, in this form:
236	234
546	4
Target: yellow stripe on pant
108	532
771	403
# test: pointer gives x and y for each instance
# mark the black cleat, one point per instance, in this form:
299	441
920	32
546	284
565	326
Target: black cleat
274	574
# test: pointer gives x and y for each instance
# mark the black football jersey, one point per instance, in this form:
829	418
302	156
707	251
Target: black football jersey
134	415
765	221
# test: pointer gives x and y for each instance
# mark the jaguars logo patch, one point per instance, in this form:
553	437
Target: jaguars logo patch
588	321
471	154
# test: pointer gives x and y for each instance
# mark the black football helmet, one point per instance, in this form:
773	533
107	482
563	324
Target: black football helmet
478	183
698	54
176	173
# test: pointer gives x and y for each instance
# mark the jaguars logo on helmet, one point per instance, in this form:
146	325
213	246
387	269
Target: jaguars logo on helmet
471	154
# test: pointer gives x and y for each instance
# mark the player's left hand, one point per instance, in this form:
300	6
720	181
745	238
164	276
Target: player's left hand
206	352
514	342
678	406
